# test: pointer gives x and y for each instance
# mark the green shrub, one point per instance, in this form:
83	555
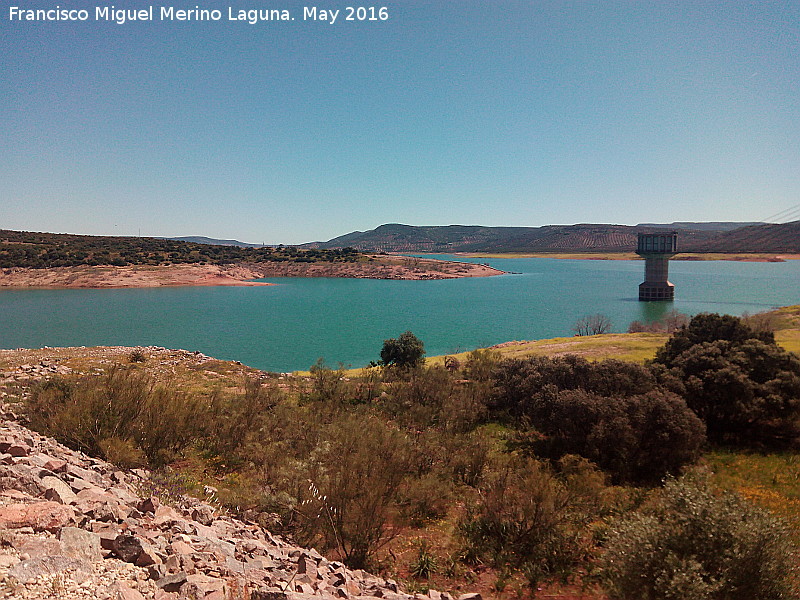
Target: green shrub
481	363
123	453
468	456
121	411
327	385
424	397
697	544
137	356
355	475
528	520
238	416
425	564
425	498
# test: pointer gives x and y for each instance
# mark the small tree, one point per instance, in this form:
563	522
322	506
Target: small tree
592	325
405	352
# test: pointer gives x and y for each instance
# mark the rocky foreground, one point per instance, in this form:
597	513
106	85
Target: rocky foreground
76	527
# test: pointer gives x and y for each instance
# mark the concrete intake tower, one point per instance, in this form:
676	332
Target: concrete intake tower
657	249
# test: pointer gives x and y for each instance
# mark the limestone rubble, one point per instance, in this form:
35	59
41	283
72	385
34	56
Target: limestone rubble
75	527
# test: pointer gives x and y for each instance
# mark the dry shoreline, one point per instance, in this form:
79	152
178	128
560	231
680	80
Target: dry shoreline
691	256
138	276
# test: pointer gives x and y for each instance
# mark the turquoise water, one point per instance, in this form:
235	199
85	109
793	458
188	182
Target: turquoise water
289	326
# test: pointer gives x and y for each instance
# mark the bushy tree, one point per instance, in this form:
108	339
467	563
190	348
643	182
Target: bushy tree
517	382
609	412
405	352
739	388
738	380
709	327
637	439
697	544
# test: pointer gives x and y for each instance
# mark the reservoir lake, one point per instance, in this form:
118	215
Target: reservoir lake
289	326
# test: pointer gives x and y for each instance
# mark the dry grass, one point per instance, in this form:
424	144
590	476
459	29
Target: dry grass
770	480
633	347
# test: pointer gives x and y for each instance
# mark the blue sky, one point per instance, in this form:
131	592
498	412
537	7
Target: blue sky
519	113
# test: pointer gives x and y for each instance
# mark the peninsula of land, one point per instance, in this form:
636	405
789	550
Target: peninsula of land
49	260
241	274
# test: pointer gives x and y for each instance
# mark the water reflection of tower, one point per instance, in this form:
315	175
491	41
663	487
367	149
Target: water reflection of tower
657	249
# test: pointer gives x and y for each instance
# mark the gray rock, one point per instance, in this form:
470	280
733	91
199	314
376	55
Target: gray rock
156	572
49	565
8	560
57	490
148	556
19	477
79	543
37	547
200	586
149	505
87	475
172	583
55	465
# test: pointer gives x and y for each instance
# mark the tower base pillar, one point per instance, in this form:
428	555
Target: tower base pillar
656	291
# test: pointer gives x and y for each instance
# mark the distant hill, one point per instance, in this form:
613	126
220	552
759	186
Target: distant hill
466	238
694	237
702	226
201	239
764	237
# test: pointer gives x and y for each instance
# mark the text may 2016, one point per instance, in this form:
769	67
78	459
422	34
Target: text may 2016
169	13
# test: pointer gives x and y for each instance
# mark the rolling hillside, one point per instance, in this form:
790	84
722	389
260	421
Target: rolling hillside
463	238
703	237
784	238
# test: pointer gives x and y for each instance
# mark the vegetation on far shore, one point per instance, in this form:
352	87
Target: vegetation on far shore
22	249
538	471
46	250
